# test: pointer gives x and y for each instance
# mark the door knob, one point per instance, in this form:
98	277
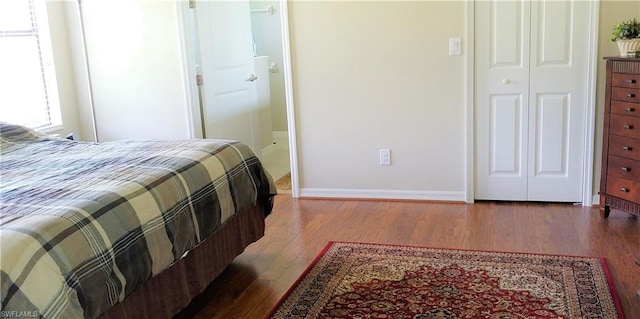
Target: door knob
506	81
251	78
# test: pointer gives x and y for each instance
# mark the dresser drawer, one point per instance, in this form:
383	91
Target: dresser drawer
620	173
623	188
625	94
625	80
624	147
625	125
623	167
625	108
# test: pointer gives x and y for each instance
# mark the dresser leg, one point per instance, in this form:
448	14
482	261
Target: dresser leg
604	212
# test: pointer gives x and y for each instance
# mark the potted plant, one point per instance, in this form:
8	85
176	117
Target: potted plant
627	35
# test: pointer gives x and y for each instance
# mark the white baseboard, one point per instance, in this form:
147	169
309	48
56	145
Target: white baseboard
382	194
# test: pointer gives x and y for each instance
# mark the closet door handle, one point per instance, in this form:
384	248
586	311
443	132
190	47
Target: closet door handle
251	78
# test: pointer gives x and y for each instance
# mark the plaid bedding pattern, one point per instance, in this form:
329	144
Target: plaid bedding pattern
83	224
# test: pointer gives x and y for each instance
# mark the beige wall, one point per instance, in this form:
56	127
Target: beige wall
371	75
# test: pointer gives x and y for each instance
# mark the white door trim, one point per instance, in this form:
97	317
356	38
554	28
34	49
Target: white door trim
588	197
188	65
470	93
288	94
587	191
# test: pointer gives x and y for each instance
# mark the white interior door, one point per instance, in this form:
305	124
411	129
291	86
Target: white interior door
530	99
227	66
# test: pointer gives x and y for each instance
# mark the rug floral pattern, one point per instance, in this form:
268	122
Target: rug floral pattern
379	281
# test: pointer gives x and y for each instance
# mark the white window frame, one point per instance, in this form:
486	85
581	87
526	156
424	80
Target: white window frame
41	30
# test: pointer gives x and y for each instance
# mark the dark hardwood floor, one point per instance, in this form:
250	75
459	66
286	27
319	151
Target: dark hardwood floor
298	229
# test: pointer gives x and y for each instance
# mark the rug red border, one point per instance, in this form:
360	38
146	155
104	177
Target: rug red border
299	279
603	262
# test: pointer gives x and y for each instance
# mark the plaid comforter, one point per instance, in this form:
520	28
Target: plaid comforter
83	224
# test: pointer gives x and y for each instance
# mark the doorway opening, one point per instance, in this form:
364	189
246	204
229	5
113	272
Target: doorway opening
268	126
267	42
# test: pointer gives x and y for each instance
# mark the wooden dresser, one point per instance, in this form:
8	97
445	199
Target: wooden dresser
620	179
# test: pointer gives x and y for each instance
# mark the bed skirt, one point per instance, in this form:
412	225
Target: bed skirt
172	290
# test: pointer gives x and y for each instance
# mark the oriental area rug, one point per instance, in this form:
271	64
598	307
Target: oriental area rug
354	280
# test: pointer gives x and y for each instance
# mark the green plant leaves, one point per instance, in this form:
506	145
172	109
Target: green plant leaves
626	30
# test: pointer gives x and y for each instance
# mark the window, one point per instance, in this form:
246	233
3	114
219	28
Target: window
28	88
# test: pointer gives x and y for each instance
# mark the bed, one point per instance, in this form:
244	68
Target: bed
126	229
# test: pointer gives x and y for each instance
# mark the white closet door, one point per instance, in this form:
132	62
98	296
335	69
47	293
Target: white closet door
135	62
530	103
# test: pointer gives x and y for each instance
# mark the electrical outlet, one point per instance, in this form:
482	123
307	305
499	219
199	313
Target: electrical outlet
385	157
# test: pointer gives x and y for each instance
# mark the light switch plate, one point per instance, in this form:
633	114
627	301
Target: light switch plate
455	46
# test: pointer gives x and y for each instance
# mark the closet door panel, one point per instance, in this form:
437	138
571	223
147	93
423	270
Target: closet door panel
506	136
553	28
557	110
551	136
501	114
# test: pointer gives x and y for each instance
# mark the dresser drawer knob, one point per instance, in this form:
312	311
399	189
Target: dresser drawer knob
627	148
631	95
625	169
624	189
628	127
629	109
631	81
